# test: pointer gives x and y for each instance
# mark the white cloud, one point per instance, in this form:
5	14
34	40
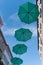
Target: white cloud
14	17
1	14
35	32
10	31
15	21
32	28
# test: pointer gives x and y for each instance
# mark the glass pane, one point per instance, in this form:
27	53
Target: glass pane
6	60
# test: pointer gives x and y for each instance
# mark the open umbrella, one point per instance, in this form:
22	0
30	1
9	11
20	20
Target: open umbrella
28	12
23	34
20	49
16	61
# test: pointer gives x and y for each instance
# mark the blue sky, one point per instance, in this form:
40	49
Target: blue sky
11	21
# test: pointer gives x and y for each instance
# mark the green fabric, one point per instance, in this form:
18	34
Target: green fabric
23	34
28	13
16	61
20	49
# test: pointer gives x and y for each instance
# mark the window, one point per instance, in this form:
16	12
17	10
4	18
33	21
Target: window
40	12
5	59
38	34
40	31
40	54
40	41
38	24
40	1
40	15
0	37
0	51
40	27
2	45
40	48
8	53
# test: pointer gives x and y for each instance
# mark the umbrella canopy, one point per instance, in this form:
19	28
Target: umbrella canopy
16	61
20	49
28	12
23	34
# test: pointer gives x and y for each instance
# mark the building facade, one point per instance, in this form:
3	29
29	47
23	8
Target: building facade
5	53
40	28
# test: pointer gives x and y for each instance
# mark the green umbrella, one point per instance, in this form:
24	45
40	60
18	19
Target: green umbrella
20	49
23	34
28	12
16	61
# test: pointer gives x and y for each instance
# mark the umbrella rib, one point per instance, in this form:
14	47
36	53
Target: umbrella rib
24	8
25	16
31	10
32	17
